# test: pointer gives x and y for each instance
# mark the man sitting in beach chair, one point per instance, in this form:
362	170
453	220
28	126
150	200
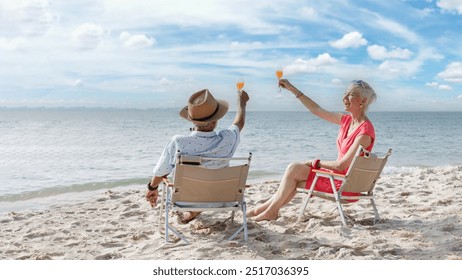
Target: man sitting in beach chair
196	189
204	111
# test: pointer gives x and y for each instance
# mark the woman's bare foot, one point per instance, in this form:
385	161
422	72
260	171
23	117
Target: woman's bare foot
266	217
258	209
187	217
251	213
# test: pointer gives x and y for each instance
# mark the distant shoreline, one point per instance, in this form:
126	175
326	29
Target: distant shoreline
177	109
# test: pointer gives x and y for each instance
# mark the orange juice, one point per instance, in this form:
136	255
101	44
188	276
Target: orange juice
279	74
239	85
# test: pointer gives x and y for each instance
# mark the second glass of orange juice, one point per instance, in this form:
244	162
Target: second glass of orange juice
279	73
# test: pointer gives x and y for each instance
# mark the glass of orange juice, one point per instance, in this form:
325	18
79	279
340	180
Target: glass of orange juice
279	73
240	83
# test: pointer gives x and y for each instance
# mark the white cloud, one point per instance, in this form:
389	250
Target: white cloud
164	81
15	44
450	5
444	87
253	18
398	69
452	73
27	18
137	41
78	83
251	45
429	53
310	65
395	67
350	40
426	12
307	13
381	53
459	97
87	36
396	29
438	86
337	82
36	17
124	36
408	68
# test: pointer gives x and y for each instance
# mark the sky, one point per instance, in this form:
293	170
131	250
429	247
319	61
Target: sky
156	53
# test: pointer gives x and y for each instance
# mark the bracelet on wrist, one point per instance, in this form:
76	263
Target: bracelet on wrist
150	188
299	94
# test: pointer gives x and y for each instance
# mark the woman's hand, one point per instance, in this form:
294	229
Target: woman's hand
312	163
284	83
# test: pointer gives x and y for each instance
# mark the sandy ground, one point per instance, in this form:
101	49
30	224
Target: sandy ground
420	211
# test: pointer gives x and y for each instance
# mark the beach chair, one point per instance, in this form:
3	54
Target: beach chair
361	178
198	189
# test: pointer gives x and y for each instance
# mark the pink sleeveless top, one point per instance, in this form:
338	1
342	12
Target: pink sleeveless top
344	142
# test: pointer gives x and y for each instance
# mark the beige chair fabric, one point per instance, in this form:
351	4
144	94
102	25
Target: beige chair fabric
196	188
361	178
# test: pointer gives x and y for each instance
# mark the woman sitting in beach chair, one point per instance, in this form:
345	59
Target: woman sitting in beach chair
355	130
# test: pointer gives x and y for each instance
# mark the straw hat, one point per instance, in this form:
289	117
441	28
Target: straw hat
204	108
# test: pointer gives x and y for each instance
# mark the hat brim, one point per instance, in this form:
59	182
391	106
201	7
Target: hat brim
222	110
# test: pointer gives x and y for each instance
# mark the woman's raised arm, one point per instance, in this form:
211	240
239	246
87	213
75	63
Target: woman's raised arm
333	117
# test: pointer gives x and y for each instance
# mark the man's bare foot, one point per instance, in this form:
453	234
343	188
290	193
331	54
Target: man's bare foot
187	217
266	217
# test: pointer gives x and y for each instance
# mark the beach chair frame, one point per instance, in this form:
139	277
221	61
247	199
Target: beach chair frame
198	189
361	178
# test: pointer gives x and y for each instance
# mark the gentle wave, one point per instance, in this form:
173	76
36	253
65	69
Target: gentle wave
255	176
75	188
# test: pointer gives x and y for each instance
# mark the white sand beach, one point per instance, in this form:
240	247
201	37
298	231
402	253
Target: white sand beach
420	211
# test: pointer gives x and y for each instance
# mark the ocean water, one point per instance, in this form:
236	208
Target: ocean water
58	155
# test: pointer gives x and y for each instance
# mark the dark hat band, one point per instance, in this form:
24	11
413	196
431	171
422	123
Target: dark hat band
208	117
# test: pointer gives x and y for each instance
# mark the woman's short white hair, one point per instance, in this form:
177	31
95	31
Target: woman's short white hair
365	90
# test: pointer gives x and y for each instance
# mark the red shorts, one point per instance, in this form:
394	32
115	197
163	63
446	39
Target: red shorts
323	184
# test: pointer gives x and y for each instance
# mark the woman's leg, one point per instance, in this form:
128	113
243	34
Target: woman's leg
269	210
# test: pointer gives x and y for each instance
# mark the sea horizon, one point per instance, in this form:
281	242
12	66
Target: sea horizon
179	108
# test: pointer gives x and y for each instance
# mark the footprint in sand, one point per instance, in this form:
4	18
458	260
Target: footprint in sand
133	206
133	214
444	202
448	228
111	244
109	256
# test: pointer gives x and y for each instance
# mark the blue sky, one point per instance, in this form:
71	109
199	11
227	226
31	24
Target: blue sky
155	53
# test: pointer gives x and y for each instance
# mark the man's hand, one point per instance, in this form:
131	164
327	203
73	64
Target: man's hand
151	197
243	97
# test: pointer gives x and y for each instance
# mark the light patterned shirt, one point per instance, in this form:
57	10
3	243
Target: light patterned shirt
221	144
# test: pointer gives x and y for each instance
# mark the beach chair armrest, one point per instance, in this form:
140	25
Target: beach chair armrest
167	182
328	174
